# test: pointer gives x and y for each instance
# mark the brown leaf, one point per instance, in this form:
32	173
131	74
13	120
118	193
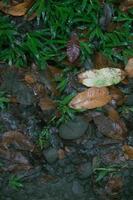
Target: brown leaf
46	104
20	140
114	184
128	152
125	5
29	78
117	95
129	68
91	98
61	154
73	48
100	61
14	161
110	128
50	84
16	10
54	70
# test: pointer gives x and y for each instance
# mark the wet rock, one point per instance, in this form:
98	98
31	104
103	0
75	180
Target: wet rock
51	155
73	129
25	95
85	170
9	121
129	101
77	188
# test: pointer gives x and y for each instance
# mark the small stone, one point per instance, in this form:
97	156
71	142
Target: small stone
73	129
51	155
85	170
129	101
77	188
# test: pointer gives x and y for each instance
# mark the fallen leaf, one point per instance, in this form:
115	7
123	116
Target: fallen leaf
18	139
19	9
46	104
30	79
54	70
91	98
108	127
129	68
73	49
125	5
112	113
102	77
100	61
14	161
61	154
114	184
117	95
128	151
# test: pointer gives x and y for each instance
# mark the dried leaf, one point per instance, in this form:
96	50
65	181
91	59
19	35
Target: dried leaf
46	104
129	68
20	140
114	184
108	127
61	154
73	49
117	95
91	98
128	152
29	78
125	5
100	61
16	10
54	70
102	77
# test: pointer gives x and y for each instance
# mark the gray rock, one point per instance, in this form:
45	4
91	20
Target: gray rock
129	101
85	170
73	129
51	155
77	188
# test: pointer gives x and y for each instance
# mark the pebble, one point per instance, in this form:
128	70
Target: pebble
129	101
85	170
73	129
51	155
77	188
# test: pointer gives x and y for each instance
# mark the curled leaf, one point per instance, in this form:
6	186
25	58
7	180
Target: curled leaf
73	48
102	77
91	98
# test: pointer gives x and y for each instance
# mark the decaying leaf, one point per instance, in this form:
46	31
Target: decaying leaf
128	152
18	139
91	98
16	10
126	4
46	104
30	79
114	184
117	95
102	77
73	48
108	127
129	68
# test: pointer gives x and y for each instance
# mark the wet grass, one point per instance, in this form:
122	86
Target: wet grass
46	36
